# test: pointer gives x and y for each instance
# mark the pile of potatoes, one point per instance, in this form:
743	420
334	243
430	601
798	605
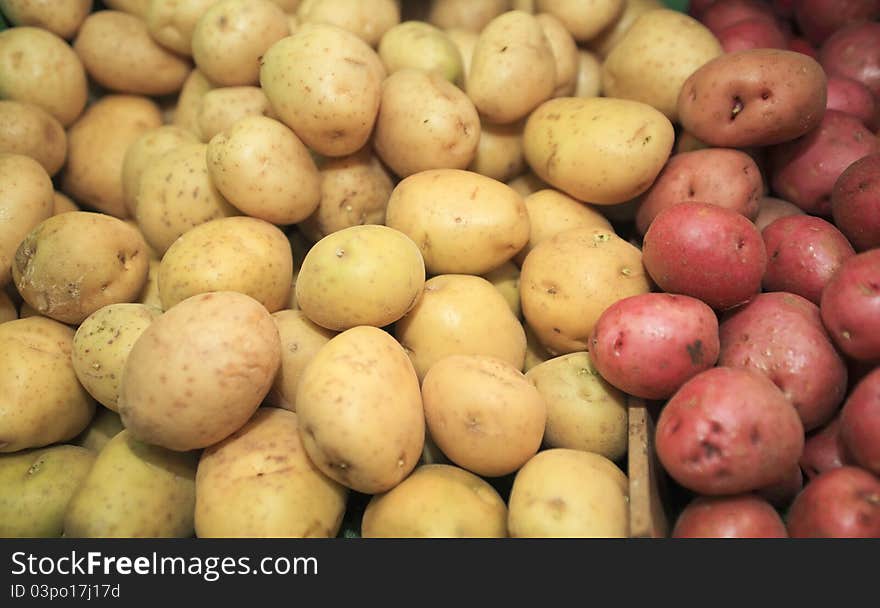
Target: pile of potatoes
395	268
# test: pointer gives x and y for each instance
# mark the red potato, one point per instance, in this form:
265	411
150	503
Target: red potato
771	209
854	52
860	423
754	33
729	12
781	336
719	176
843	503
818	19
781	493
784	8
744	516
727	431
803	171
696	8
706	252
649	345
799	45
851	306
852	97
823	450
855	203
803	253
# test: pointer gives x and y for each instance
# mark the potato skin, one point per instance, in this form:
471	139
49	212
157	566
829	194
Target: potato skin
584	20
727	431
62	20
771	209
259	483
823	450
860	423
222	107
854	98
757	97
104	426
29	130
854	203
743	516
843	503
8	310
636	332
852	51
420	45
367	20
851	306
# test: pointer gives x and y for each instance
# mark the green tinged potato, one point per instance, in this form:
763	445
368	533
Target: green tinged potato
103	427
135	490
36	486
421	46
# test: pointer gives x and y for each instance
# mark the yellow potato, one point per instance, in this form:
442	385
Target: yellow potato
142	152
483	413
421	46
150	293
101	345
425	122
565	53
471	15
288	6
608	39
363	275
569	280
264	170
462	222
26	199
135	490
354	191
138	8
589	77
361	387
75	263
98	142
505	278
500	151
584	412
242	254
37	487
300	342
38	67
437	501
199	371
585	19
259	483
61	18
325	84
367	20
41	401
511	55
527	183
535	351
655	56
224	106
524	5
176	194
599	150
460	315
104	426
189	102
292	21
61	203
29	130
171	22
232	35
7	308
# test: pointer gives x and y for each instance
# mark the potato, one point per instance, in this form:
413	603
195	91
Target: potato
300	342
354	191
142	152
288	6
565	54
38	67
753	98
8	311
29	130
75	263
706	252
462	222
499	153
589	76
97	144
222	107
421	46
483	413
850	304
780	335
723	177
566	493
437	501
61	19
843	503
781	493
854	52
104	426
264	170
803	253
599	150
852	97
118	53
727	431
465	41
325	84
771	209
569	280
505	278
683	43
471	15
259	483
551	212
199	371
101	345
860	423
819	19
634	333
37	486
26	199
460	315
585	20
232	36
367	20
527	183
855	203
823	450
134	490
189	102
61	203
177	194
241	254
742	516
424	123
752	33
171	23
584	412
363	275
41	401
344	401
138	8
512	53
605	41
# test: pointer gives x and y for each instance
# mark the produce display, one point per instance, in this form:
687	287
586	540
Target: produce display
406	268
